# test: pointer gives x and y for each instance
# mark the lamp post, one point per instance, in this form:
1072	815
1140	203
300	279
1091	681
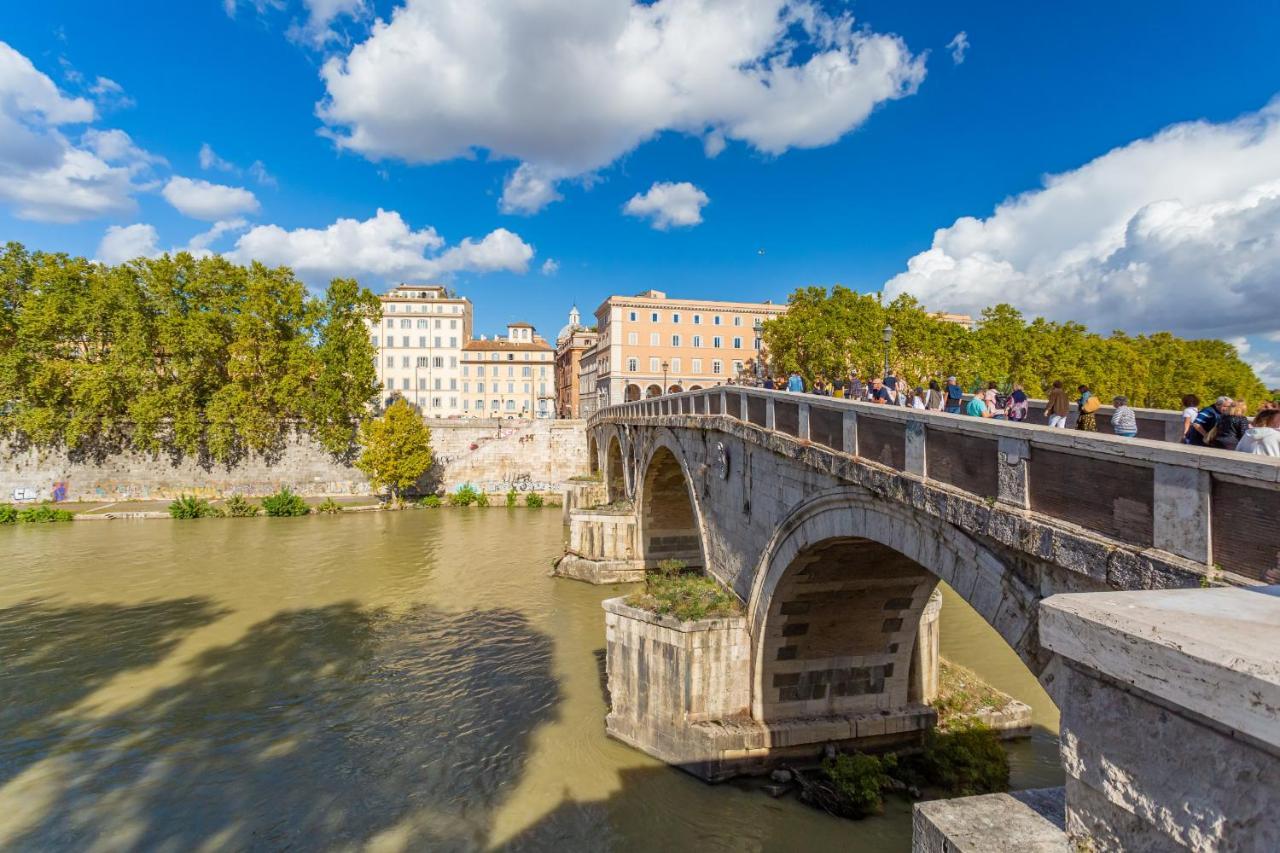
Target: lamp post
665	367
758	328
888	339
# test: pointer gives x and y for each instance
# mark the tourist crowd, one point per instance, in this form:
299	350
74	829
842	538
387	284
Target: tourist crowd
1224	424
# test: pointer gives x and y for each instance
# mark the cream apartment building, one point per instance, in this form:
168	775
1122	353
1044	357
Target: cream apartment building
509	377
650	343
419	344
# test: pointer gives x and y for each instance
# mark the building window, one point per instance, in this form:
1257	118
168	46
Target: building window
437	322
675	365
453	383
453	324
675	340
697	319
757	343
391	307
437	341
526	371
435	402
421	361
453	341
422	341
391	361
511	405
438	361
404	384
526	387
391	324
632	339
633	365
675	318
422	384
715	321
633	317
391	384
737	321
697	365
404	361
737	343
406	323
453	361
422	324
717	342
373	339
437	383
479	370
653	365
697	340
653	317
655	339
716	367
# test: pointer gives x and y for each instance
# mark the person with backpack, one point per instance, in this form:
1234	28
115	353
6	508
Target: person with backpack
1015	408
795	384
1057	408
1088	404
1204	428
955	396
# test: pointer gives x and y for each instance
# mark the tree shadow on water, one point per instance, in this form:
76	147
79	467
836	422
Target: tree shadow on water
53	656
319	728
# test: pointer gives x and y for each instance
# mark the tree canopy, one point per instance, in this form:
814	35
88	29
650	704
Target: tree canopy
198	355
396	448
830	333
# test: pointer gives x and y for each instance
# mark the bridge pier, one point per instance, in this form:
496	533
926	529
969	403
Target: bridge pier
682	692
603	546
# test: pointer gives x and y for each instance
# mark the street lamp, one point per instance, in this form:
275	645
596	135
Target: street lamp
888	339
665	366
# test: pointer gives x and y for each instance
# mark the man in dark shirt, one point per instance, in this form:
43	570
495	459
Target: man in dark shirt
1204	423
879	393
955	396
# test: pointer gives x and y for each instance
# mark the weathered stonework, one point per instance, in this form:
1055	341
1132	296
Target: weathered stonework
494	456
1017	822
583	495
602	547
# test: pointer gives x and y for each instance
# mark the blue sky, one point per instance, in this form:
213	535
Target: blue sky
427	117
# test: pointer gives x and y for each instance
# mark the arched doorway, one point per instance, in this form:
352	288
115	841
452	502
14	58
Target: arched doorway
653	391
674	389
615	476
695	387
669	527
632	393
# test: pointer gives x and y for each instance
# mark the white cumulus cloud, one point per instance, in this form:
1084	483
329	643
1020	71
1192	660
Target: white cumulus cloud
669	204
550	266
44	174
1178	231
203	200
958	46
125	242
567	87
382	247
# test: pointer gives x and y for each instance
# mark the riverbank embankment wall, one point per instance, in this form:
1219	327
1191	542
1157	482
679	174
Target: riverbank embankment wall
494	456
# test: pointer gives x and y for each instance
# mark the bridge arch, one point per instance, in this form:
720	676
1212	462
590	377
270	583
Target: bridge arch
615	473
593	453
838	597
667	506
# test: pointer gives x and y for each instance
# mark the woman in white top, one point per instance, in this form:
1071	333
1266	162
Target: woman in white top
1191	408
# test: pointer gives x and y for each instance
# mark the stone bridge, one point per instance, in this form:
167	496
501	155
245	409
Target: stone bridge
833	521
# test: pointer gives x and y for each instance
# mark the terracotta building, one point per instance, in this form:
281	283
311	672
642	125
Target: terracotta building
649	343
574	340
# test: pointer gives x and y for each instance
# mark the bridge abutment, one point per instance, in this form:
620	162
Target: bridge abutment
603	546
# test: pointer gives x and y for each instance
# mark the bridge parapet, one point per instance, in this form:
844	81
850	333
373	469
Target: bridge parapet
1213	507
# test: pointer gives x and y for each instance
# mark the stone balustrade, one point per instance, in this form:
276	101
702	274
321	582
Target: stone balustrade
1147	493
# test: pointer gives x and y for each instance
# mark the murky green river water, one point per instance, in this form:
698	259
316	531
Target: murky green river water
379	681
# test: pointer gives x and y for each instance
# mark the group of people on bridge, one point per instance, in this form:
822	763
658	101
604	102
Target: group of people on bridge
1224	424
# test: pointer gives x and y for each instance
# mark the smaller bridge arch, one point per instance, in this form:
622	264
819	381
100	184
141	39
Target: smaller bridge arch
615	477
667	507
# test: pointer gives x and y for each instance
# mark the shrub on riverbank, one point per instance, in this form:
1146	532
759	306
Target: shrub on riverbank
858	780
966	760
329	507
533	500
237	506
284	504
512	497
8	514
190	506
464	495
44	514
431	501
672	590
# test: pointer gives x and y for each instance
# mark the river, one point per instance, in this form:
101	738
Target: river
378	681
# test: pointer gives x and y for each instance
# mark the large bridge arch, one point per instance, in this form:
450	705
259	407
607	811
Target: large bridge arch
667	505
838	597
615	469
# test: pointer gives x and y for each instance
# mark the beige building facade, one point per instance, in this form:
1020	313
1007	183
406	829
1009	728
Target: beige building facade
419	342
650	344
509	377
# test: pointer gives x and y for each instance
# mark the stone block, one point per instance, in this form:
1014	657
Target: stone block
1018	822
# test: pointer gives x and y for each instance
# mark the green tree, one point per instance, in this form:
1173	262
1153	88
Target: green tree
347	381
396	449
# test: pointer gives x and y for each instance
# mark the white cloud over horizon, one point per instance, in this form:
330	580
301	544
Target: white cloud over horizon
47	175
1179	231
201	199
567	88
668	204
383	247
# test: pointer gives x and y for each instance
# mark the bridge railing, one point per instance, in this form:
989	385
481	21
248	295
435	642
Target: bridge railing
1217	508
